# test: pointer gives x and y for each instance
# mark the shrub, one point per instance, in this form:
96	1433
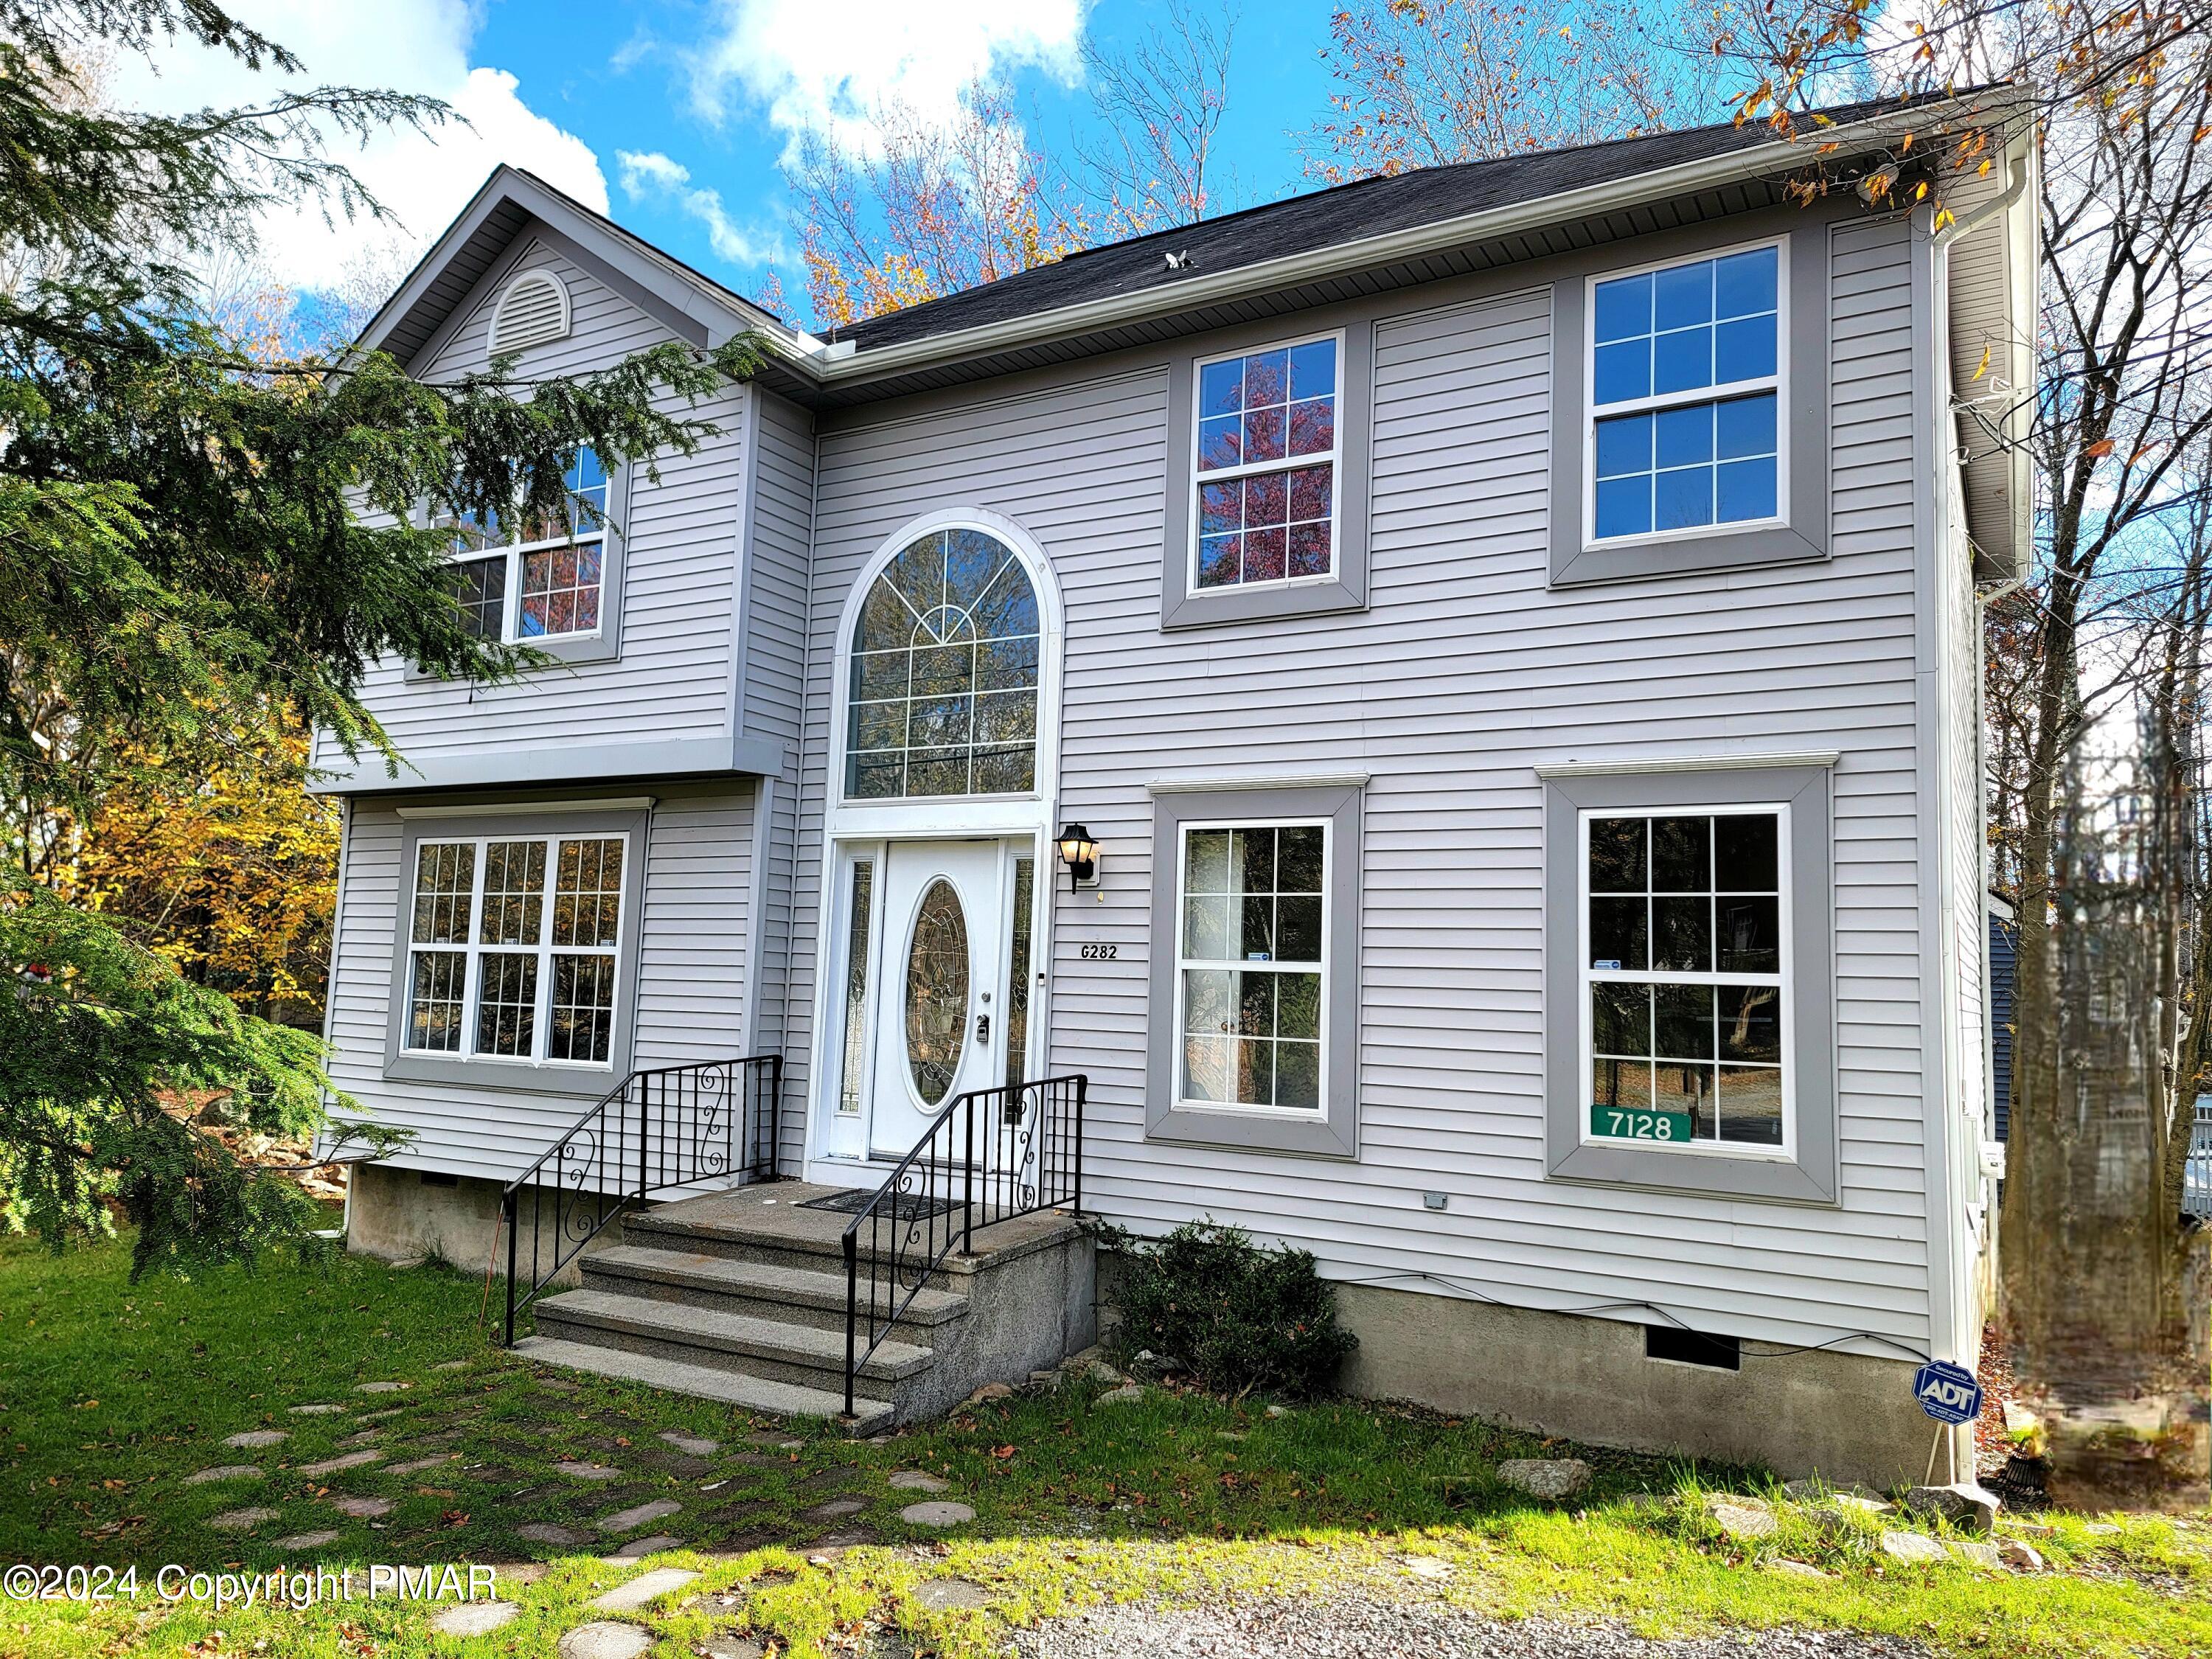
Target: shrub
1234	1315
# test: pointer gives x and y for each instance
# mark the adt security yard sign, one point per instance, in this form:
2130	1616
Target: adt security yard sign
1948	1393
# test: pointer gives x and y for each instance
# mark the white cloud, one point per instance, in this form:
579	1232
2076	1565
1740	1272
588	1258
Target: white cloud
807	72
648	173
408	45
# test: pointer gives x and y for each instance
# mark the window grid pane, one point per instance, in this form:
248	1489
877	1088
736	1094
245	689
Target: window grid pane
1272	416
1676	1059
1251	977
1708	323
943	694
560	590
583	1013
504	956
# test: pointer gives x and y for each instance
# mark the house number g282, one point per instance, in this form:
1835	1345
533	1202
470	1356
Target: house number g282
1100	952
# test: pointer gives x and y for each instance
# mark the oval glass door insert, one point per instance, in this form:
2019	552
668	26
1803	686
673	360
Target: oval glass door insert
937	991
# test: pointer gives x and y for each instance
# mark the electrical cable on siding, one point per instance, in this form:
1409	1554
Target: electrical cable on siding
1675	1320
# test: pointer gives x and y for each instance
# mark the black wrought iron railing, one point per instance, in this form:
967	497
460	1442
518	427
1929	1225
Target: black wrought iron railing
655	1131
991	1154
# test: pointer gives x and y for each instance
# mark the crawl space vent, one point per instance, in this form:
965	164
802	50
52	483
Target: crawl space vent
533	309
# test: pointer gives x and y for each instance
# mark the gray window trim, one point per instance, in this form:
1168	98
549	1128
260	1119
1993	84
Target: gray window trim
1345	587
1333	1132
1806	536
511	1075
1811	1176
605	645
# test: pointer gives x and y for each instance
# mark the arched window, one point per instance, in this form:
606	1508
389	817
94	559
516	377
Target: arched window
943	692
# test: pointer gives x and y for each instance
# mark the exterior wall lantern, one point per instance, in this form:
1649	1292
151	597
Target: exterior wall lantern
1079	853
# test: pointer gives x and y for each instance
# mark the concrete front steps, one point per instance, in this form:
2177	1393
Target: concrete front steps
739	1297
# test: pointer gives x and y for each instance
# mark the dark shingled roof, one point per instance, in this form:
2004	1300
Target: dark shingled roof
1370	207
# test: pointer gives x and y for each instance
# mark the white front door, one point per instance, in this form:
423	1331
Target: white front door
940	986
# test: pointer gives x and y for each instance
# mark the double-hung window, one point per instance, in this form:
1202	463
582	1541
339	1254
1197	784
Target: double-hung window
524	581
1685	999
514	948
1267	466
1252	976
1687	398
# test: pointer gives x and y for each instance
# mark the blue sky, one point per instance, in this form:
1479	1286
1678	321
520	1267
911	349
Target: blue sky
670	115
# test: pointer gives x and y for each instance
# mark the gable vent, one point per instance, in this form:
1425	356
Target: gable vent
533	309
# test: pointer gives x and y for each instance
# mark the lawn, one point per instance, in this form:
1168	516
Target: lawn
114	1397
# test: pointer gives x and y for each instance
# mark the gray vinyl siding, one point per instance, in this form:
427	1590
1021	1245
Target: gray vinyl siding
691	979
671	680
1465	671
780	547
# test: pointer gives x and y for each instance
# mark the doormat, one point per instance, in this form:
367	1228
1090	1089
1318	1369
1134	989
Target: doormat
898	1206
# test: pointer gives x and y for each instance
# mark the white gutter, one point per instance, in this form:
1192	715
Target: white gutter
1314	264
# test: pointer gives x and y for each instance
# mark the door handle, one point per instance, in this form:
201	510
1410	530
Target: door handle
982	1028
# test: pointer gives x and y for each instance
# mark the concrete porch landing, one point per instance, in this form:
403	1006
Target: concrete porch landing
740	1295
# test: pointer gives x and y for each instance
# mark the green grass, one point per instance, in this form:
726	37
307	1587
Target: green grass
111	1394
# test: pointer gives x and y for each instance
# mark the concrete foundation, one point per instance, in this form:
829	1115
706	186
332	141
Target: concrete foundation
1845	1416
398	1215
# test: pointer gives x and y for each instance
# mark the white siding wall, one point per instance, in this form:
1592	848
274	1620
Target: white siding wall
672	679
691	979
1465	671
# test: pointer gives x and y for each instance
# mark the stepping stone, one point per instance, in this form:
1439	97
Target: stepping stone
333	1465
1555	1479
647	1587
915	1480
653	1546
363	1509
380	1388
937	1513
366	1437
520	1572
224	1472
1912	1547
604	1640
451	1365
692	1444
576	1471
379	1417
836	1510
240	1519
419	1464
309	1540
951	1593
630	1520
253	1437
315	1411
1128	1394
732	1647
548	1532
474	1618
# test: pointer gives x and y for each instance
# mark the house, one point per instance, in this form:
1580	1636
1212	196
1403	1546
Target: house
1504	639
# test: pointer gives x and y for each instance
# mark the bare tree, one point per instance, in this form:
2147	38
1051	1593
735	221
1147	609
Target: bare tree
1472	80
918	208
1161	103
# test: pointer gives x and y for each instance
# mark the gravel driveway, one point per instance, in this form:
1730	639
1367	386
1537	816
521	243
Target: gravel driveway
1359	1627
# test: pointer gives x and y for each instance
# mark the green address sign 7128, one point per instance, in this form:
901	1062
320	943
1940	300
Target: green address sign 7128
1620	1123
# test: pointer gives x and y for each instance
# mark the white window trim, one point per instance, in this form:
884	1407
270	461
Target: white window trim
1335	457
515	552
1319	1110
545	949
1777	383
1585	1040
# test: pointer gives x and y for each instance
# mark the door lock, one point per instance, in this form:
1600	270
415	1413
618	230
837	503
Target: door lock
982	1028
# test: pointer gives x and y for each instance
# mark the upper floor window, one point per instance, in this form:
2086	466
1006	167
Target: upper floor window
1686	400
525	580
1266	469
943	697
